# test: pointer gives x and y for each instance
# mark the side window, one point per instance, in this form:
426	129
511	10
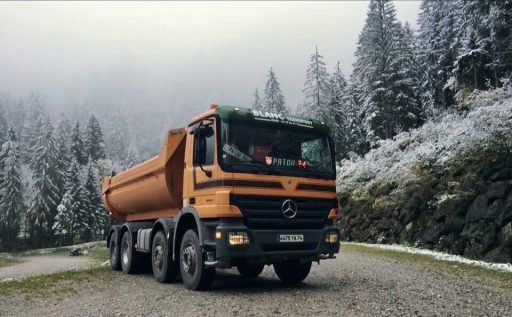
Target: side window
204	145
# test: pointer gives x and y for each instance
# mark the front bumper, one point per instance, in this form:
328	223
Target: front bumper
264	246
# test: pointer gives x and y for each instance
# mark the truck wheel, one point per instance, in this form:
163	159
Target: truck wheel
114	254
250	270
193	272
292	272
129	258
165	269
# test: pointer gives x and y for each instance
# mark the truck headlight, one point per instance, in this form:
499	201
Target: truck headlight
238	238
331	237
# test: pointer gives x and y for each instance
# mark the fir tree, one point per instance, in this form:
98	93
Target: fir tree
316	89
274	99
96	215
77	145
71	218
94	143
11	199
47	175
380	68
257	101
118	137
471	65
438	38
63	144
339	121
33	128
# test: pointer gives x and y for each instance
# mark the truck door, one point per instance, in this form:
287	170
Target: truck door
204	167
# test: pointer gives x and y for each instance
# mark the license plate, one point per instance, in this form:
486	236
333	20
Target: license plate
290	238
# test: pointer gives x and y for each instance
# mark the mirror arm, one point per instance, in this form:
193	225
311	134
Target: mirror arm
206	172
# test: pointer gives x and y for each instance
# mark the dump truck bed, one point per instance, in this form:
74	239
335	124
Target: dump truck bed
152	189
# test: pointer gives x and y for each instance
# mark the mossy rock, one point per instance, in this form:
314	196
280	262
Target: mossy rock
454	205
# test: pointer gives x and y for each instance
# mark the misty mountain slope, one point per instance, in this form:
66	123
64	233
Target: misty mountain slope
445	185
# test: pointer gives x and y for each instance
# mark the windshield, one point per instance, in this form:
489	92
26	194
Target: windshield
275	148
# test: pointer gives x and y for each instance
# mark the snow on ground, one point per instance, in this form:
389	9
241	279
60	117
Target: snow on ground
441	256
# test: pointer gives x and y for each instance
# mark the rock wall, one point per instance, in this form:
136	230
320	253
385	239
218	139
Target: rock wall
465	209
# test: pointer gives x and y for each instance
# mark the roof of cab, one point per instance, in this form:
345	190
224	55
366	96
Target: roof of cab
257	115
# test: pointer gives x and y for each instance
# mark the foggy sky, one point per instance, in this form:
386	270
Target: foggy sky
169	55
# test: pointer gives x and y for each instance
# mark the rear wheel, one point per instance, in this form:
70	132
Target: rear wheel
129	258
250	270
292	272
114	254
193	273
165	270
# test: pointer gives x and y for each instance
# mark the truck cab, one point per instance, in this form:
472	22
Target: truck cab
258	188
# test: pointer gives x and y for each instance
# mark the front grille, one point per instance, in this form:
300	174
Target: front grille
266	212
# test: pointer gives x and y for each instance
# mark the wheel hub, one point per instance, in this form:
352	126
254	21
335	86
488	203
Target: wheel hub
125	253
158	256
188	259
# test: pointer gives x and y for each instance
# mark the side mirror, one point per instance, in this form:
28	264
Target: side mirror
202	132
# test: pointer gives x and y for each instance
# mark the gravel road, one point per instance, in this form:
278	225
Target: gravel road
45	264
356	284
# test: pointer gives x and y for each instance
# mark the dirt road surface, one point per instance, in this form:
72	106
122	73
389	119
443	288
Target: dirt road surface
356	284
45	264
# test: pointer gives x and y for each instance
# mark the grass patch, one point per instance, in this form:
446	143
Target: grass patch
61	282
504	279
9	261
99	252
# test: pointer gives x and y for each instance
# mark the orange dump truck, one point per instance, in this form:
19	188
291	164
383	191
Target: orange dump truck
238	188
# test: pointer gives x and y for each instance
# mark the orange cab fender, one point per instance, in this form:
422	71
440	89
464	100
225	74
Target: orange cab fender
188	218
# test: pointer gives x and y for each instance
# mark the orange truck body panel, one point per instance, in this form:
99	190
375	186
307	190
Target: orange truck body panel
151	190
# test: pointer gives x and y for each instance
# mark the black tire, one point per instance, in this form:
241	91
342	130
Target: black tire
129	258
250	270
292	272
165	270
193	273
114	254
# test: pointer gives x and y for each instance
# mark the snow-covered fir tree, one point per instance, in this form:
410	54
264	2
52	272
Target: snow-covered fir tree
438	44
471	66
117	138
380	70
47	175
94	143
32	129
11	198
78	151
96	216
257	100
72	218
339	120
273	99
63	144
316	89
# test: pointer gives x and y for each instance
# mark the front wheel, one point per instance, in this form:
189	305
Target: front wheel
292	272
193	273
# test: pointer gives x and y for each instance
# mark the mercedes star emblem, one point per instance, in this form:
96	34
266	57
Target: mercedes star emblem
289	208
